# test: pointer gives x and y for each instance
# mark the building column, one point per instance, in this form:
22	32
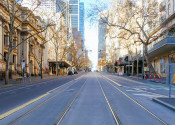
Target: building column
19	54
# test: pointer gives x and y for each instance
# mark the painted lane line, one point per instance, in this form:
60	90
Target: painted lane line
50	98
22	106
2	116
112	81
147	84
110	107
79	77
144	91
139	104
132	88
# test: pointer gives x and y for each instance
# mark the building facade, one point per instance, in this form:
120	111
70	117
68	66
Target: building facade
81	20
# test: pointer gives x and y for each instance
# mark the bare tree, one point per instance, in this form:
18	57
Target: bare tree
131	19
60	44
17	13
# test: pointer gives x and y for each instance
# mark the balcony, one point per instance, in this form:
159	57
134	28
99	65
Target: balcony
165	45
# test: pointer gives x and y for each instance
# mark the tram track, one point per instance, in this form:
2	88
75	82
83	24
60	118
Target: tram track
117	120
49	99
137	103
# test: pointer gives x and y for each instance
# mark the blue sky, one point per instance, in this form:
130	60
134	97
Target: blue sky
91	36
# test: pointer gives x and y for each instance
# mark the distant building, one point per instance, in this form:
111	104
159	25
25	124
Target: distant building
102	27
81	19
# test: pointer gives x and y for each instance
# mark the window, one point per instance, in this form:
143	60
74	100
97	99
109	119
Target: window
169	9
14	42
6	40
174	5
162	65
14	59
5	56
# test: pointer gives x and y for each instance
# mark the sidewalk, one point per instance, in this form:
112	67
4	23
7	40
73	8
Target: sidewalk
163	81
167	102
27	81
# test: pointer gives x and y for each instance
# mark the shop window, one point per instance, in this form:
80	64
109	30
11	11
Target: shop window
162	65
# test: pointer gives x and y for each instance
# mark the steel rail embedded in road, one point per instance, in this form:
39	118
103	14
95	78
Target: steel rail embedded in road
117	120
38	106
138	104
70	104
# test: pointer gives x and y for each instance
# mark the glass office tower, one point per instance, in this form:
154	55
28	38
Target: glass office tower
81	19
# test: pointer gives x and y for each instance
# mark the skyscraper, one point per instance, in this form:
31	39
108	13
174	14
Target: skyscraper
81	19
74	13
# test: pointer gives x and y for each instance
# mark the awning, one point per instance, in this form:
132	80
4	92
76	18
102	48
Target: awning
61	63
119	63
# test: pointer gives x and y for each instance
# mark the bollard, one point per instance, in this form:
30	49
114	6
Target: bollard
145	76
150	76
159	78
154	77
123	73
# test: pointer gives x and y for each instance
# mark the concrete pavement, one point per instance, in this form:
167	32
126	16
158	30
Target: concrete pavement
88	99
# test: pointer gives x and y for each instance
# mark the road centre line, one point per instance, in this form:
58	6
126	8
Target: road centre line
112	80
2	116
112	111
19	118
22	106
139	104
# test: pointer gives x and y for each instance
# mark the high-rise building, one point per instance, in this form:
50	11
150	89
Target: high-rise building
76	16
81	19
74	13
102	27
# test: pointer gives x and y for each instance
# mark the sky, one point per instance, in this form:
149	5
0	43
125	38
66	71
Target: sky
91	36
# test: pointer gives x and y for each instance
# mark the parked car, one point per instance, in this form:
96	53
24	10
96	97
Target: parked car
75	72
70	73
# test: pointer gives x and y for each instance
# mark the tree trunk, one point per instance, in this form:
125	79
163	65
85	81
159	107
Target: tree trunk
150	66
41	66
56	65
7	73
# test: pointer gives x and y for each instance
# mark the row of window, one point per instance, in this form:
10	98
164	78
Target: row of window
170	7
6	41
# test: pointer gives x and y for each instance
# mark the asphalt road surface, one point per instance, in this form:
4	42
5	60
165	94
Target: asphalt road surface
85	99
